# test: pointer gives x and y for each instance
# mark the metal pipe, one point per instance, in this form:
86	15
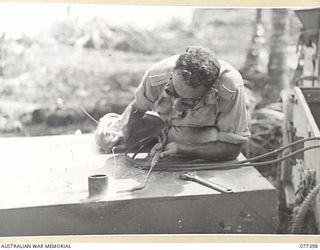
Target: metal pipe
98	185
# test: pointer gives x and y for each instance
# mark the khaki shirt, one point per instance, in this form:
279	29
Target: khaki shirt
220	115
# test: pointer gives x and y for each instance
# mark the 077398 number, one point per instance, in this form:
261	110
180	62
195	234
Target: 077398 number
308	245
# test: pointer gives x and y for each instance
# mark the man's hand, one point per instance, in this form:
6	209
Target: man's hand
108	132
171	149
106	140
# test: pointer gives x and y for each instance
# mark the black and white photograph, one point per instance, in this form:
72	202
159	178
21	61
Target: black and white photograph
159	120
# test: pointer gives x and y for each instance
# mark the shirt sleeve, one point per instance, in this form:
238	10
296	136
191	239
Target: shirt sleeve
232	121
144	96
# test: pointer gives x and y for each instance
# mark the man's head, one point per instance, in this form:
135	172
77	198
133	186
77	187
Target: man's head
200	65
195	72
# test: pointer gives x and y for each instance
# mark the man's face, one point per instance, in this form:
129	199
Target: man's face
179	82
185	97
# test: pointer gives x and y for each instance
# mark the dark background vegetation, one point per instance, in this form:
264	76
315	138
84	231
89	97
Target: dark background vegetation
97	64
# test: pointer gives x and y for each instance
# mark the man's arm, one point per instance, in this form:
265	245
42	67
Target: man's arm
212	151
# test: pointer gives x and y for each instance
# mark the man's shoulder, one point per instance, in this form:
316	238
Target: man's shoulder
165	65
229	81
161	71
230	75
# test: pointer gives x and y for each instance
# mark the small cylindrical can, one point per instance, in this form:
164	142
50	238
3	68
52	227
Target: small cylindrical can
98	185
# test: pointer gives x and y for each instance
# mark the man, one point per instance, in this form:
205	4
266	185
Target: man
198	97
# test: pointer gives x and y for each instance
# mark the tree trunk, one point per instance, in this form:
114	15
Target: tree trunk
277	66
254	60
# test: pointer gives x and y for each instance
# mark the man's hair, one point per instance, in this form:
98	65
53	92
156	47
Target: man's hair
202	65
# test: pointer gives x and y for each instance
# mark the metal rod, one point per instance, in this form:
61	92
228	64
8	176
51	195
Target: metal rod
84	111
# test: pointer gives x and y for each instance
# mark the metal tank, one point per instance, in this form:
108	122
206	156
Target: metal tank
61	185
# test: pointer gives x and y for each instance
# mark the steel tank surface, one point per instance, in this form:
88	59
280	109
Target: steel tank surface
44	191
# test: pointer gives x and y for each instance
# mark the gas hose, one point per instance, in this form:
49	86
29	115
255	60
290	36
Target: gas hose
178	166
298	220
